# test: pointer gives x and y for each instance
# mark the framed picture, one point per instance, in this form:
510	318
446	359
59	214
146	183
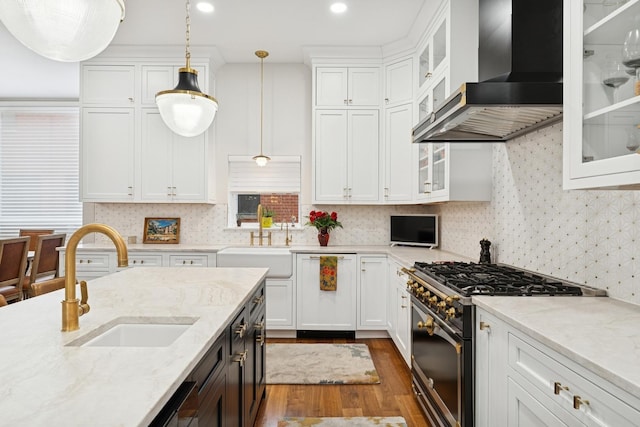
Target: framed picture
161	230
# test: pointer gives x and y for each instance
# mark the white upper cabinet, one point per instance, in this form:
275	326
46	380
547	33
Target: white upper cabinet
346	156
171	166
399	153
347	87
398	82
601	110
107	154
108	85
128	153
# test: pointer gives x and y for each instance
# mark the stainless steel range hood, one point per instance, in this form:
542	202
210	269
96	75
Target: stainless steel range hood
520	67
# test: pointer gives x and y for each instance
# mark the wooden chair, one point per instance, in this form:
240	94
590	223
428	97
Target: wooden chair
33	233
46	286
13	262
45	263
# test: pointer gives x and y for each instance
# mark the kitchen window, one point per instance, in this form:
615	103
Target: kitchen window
275	186
39	169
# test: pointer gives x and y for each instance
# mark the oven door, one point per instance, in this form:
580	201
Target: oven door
437	366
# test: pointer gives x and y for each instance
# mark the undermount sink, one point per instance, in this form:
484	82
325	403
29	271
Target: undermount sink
278	260
136	332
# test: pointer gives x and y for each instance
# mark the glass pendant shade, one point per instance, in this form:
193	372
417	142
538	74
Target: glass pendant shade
261	160
185	109
63	30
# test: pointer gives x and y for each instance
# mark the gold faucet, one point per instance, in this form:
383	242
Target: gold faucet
72	309
259	215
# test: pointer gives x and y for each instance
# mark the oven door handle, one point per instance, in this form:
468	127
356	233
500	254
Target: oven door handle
429	325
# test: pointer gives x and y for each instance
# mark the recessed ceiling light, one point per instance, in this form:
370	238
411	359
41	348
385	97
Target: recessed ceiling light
338	7
205	7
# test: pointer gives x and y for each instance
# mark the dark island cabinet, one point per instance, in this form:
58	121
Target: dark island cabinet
230	378
246	384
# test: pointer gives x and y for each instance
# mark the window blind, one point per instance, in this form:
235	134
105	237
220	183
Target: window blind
39	169
280	175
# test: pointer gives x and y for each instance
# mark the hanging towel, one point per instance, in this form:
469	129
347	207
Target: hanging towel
328	273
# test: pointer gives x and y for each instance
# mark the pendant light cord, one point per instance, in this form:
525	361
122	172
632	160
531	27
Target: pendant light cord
188	35
261	99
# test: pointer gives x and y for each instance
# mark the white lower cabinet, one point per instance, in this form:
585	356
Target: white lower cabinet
522	382
326	310
280	304
399	311
92	264
372	286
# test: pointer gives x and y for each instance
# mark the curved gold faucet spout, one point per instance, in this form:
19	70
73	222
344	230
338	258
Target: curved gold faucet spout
72	309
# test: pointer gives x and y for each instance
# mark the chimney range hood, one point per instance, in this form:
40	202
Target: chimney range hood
520	72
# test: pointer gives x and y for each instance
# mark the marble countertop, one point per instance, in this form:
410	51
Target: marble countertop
44	381
602	334
406	255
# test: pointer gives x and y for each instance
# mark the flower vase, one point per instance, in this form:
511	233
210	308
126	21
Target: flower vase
323	237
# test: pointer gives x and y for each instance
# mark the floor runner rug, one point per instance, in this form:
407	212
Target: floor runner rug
342	422
300	363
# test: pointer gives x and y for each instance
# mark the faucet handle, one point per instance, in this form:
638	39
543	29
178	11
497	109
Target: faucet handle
84	292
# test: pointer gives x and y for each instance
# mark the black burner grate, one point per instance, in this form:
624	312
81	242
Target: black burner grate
492	279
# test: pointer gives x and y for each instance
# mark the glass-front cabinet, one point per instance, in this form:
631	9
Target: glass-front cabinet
433	56
601	138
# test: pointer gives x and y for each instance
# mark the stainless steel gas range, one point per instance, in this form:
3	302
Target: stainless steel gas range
443	317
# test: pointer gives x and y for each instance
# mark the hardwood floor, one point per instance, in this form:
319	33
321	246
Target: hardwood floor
392	397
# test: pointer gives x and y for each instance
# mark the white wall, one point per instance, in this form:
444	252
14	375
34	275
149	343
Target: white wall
25	74
286	116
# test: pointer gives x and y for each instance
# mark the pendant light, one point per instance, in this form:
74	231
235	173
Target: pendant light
185	109
261	159
63	30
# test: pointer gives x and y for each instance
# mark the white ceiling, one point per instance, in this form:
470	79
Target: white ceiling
237	28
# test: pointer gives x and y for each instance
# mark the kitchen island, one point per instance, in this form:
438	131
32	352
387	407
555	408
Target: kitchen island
47	380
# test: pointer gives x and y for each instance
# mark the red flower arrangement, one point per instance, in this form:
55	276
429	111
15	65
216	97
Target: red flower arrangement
323	220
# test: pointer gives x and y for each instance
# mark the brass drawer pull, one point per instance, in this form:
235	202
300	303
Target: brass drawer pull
557	388
577	401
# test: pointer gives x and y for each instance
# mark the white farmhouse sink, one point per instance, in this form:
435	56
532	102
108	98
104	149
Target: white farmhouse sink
278	260
132	332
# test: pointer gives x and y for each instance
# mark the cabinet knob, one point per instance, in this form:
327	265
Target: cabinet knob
130	99
346	102
485	326
386	100
428	75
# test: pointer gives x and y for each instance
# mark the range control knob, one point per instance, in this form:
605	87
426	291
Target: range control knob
442	306
450	299
451	313
420	290
433	300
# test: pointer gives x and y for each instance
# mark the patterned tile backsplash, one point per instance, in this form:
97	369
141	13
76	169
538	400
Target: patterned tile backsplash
587	236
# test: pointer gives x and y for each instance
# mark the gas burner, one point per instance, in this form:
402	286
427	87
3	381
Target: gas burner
470	279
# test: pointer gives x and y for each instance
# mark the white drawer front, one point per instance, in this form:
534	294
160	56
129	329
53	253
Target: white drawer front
145	260
92	262
565	384
189	261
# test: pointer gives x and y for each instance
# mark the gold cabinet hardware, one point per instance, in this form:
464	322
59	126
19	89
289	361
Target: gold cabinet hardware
258	300
240	358
240	330
577	401
557	387
251	242
485	325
